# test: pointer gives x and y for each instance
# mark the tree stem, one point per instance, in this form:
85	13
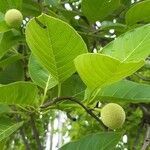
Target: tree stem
147	138
59	99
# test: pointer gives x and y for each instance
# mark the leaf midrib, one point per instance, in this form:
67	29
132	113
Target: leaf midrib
136	47
48	34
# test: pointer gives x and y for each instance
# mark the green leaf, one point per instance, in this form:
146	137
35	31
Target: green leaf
9	4
4	27
22	93
139	13
12	73
11	59
1	16
105	25
40	75
98	70
126	49
125	91
96	10
2	144
30	8
7	127
68	16
4	109
55	46
126	2
73	86
7	40
99	141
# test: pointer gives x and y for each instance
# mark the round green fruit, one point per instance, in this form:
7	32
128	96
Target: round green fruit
113	116
13	18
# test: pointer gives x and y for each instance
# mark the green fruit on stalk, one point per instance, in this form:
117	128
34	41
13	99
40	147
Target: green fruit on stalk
13	18
113	116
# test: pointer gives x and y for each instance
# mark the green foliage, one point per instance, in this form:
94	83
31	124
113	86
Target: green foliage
126	49
3	26
40	75
125	91
69	58
55	49
76	89
98	70
4	109
21	93
99	9
30	8
95	141
10	59
134	14
2	144
8	4
8	40
17	72
7	127
52	2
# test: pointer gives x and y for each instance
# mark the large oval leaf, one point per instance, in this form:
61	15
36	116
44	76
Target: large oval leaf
131	46
98	70
99	141
96	10
40	75
55	45
125	91
7	127
22	93
140	12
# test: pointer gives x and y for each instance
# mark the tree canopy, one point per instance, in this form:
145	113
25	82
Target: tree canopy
75	74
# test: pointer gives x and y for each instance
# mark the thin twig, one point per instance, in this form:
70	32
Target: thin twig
70	117
59	99
147	138
35	133
146	112
92	35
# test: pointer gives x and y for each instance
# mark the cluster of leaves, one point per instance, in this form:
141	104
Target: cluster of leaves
68	56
